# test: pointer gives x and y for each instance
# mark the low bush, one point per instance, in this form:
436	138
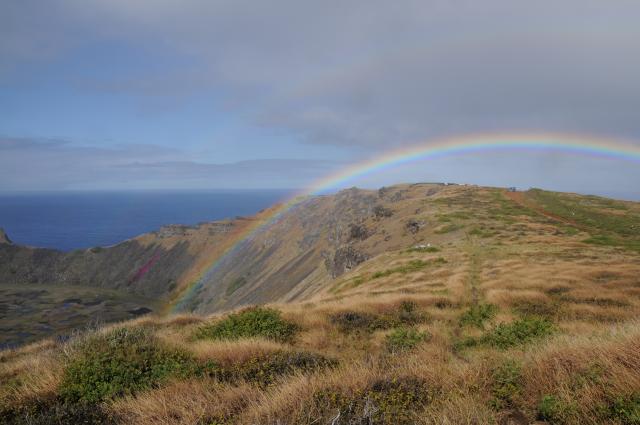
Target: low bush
406	314
554	410
105	366
478	314
507	335
265	370
626	409
396	401
402	339
252	322
506	385
55	411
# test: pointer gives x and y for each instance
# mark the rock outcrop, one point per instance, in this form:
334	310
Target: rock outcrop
4	239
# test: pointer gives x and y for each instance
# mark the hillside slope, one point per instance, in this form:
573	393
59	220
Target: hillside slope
425	304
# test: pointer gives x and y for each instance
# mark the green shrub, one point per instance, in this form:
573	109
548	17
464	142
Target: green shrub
402	339
506	384
477	314
518	332
252	322
396	401
353	321
626	409
554	410
55	411
121	362
266	369
410	267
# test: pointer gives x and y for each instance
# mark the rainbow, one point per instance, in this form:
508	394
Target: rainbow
570	144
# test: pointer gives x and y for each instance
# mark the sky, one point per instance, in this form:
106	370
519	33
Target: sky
206	94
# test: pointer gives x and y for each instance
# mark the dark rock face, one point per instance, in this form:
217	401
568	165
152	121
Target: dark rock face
345	258
358	232
414	226
381	212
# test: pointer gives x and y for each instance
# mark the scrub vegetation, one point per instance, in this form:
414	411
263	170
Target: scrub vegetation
525	321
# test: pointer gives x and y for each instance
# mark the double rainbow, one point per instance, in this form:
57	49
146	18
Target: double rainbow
569	144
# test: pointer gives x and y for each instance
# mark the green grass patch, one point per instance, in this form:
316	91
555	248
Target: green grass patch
506	384
555	411
507	335
608	229
405	338
235	285
626	409
423	249
265	370
394	401
448	228
407	314
410	267
121	362
251	322
478	314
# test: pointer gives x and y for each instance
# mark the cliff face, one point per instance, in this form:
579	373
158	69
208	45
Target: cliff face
292	258
311	247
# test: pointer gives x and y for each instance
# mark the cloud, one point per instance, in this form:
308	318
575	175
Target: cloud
372	72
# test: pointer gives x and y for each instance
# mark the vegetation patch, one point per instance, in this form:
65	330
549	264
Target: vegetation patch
423	249
478	314
118	363
506	335
540	308
626	409
265	370
405	338
251	322
506	385
622	230
554	410
396	401
448	228
55	411
235	285
407	314
410	267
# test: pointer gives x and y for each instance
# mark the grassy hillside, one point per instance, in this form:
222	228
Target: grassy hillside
429	304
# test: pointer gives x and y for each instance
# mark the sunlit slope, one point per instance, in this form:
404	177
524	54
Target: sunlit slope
423	238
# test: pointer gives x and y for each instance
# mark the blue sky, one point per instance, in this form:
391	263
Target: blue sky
236	94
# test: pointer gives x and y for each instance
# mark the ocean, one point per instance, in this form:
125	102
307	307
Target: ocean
78	220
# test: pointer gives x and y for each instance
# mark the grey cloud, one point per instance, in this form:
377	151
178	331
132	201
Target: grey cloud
379	73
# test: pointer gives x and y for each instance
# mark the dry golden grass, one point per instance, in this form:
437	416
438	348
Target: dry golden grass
525	265
187	402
